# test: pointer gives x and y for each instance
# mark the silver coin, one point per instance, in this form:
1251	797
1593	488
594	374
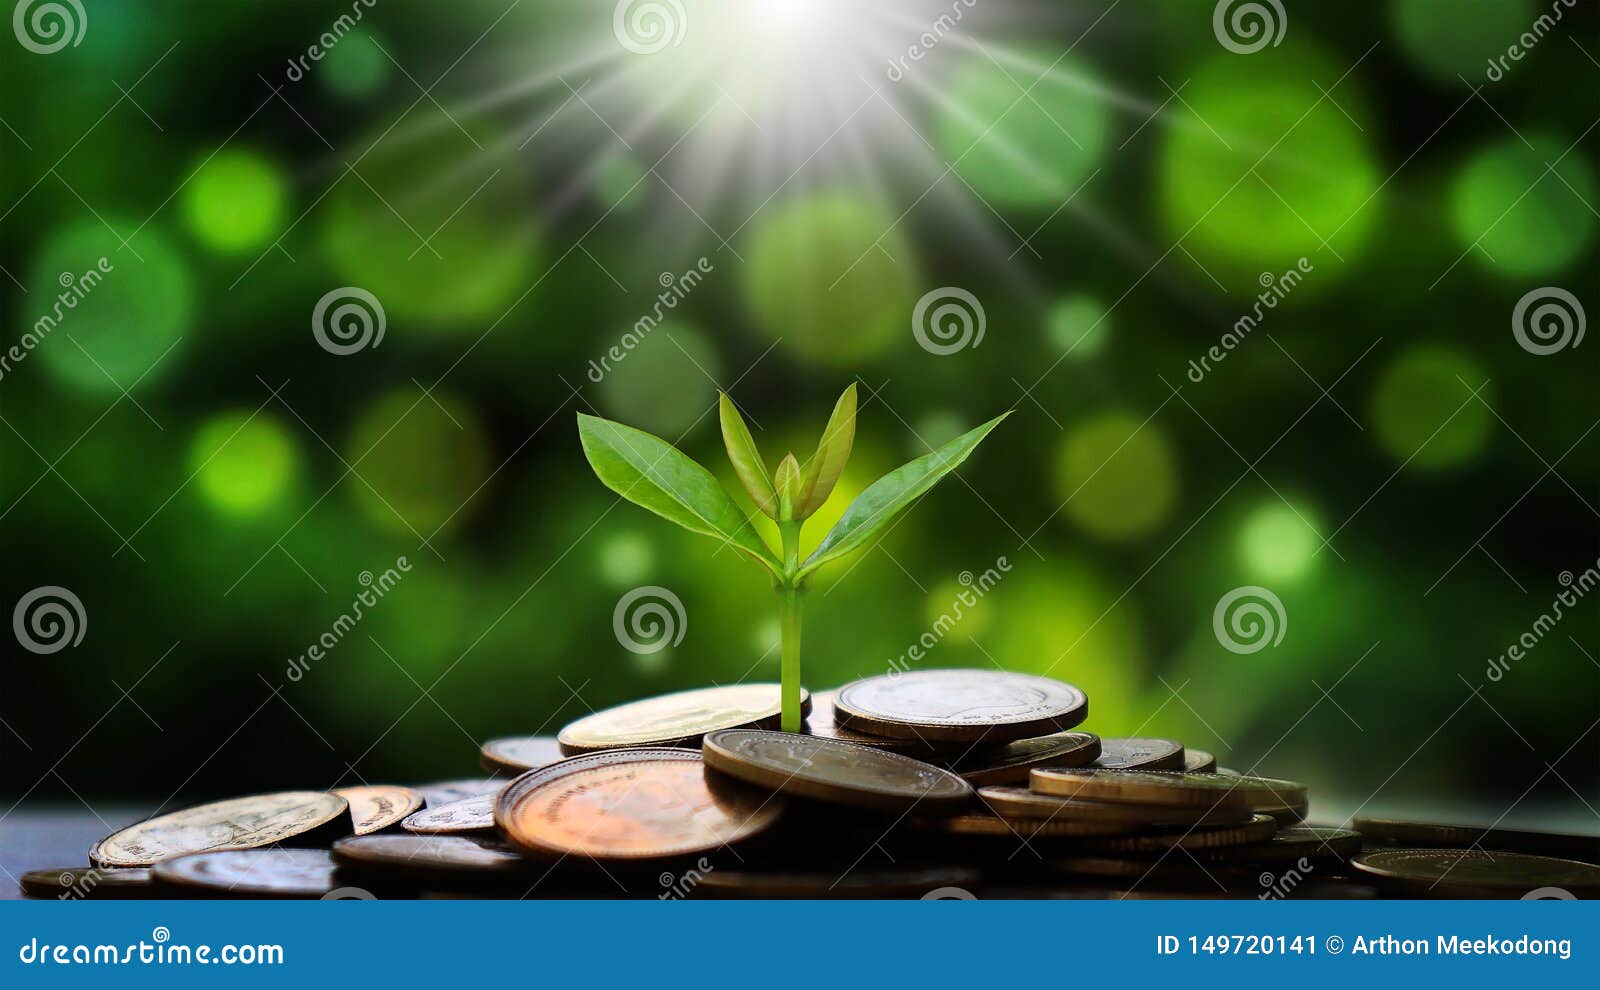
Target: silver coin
475	814
453	853
960	705
253	872
519	754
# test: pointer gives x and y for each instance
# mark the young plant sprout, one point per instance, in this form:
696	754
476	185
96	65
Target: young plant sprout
651	473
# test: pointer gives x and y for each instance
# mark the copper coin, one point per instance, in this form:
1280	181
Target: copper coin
833	771
960	705
987	825
928	883
1009	764
252	872
519	754
1296	842
1227	838
1584	848
375	807
1020	802
1130	753
474	814
238	823
1474	873
87	883
1198	761
630	805
680	719
1262	794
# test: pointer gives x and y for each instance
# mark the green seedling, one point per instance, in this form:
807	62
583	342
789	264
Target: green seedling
649	472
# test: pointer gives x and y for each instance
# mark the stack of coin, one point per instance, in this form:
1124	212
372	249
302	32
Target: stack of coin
935	783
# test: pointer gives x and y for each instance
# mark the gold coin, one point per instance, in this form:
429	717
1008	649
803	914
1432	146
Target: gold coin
833	771
451	791
960	705
1019	802
822	724
86	883
401	852
1258	829
1198	761
238	823
630	805
1584	848
948	882
1133	753
375	807
1009	764
1475	873
977	824
1296	842
303	873
474	814
519	754
680	719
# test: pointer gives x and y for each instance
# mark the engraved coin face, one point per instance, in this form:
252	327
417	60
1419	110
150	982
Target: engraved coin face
960	705
1166	787
1296	842
474	814
1020	802
1476	873
1129	753
1583	848
630	805
375	807
238	823
519	754
403	852
833	771
451	791
253	872
679	719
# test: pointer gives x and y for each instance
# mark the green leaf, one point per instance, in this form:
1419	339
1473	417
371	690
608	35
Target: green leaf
651	473
746	457
833	451
873	510
787	484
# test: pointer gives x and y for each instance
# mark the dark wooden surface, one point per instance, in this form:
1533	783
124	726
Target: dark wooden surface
47	837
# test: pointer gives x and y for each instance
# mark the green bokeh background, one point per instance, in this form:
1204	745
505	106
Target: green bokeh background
212	484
